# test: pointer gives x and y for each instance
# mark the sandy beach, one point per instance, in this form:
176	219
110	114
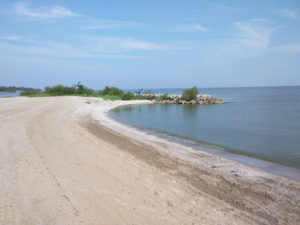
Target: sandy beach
63	160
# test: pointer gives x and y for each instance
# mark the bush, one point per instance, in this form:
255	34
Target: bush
139	91
164	97
55	90
77	89
30	92
128	96
190	94
111	91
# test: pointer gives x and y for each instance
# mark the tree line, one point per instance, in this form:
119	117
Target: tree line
112	93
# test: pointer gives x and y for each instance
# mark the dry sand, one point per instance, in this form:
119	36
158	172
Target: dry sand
64	161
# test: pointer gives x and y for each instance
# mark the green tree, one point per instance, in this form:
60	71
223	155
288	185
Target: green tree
128	96
112	91
164	97
139	91
190	94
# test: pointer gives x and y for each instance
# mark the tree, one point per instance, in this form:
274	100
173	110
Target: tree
190	94
112	91
139	91
128	96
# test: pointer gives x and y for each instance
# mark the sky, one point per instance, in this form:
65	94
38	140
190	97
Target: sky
150	44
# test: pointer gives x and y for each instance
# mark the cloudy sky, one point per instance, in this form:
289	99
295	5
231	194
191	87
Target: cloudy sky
150	44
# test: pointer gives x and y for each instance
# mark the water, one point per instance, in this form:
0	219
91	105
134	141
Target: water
8	94
259	122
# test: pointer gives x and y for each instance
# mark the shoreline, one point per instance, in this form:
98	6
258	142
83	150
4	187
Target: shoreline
241	180
65	161
103	117
267	166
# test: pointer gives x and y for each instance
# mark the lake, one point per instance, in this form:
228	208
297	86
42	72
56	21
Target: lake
261	122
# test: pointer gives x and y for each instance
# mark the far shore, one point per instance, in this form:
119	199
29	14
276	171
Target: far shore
66	161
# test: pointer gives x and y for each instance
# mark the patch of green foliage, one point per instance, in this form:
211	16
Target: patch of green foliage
190	94
128	96
111	91
15	89
108	93
164	97
110	97
40	94
77	89
139	91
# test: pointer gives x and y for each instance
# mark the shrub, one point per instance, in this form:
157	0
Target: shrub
55	90
164	97
190	94
77	89
128	96
30	92
111	91
139	91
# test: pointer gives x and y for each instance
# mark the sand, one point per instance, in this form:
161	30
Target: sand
64	161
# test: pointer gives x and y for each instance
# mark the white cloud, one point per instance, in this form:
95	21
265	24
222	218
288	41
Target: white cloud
58	50
85	47
254	34
10	38
288	49
289	13
25	49
54	12
189	28
142	45
116	44
102	24
252	39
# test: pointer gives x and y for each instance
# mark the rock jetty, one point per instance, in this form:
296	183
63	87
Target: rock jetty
201	99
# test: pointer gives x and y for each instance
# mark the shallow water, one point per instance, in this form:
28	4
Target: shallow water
259	122
8	94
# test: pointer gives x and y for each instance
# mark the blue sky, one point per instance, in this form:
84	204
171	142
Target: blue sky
150	44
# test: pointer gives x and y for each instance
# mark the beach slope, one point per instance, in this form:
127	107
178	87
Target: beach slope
64	161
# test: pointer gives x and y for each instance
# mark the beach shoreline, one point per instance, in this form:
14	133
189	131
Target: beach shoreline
82	150
266	165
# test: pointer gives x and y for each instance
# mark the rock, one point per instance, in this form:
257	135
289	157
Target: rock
177	99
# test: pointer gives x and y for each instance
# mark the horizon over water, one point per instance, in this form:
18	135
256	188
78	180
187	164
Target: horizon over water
260	122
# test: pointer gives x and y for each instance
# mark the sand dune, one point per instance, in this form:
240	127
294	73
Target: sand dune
64	161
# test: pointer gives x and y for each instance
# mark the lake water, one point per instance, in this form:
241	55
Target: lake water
8	94
259	122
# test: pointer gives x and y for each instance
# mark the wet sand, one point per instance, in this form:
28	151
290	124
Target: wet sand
63	160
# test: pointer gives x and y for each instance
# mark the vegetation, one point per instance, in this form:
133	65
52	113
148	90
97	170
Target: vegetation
128	96
164	97
190	94
108	93
15	89
60	90
111	91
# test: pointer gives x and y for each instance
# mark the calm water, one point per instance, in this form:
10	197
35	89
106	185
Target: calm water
259	122
8	94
